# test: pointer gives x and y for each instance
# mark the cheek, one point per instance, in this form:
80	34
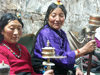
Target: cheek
63	19
51	20
7	35
8	32
20	33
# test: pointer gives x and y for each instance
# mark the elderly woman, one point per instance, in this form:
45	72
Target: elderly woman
11	52
54	20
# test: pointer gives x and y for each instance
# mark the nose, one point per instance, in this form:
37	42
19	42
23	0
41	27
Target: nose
15	31
57	18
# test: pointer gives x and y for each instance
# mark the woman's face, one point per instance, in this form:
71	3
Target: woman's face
56	18
12	31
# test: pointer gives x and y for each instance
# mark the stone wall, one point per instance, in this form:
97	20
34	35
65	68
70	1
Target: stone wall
33	12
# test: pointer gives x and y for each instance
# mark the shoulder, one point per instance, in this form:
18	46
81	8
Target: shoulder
22	46
45	30
2	47
24	49
3	50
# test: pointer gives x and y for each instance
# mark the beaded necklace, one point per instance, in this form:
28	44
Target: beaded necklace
18	56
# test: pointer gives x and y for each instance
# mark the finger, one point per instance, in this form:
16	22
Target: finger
50	71
93	41
95	47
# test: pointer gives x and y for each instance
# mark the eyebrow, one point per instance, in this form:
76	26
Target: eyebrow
14	25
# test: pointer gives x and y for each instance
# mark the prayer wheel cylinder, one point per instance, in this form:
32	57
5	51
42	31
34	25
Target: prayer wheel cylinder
94	19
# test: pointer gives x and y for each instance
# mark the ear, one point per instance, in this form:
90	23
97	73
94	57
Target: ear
2	32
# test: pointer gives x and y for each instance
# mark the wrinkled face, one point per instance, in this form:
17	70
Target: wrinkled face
12	31
56	18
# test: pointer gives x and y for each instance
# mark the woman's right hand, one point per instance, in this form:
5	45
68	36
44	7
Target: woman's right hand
49	72
87	48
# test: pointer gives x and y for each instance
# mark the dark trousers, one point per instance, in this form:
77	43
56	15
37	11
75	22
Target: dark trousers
58	70
24	73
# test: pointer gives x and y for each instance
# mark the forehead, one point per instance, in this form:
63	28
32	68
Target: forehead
57	10
14	23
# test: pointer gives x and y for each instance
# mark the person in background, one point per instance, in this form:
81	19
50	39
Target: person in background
97	38
12	53
54	20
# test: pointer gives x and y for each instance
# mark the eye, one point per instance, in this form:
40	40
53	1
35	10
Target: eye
12	28
20	28
53	15
62	15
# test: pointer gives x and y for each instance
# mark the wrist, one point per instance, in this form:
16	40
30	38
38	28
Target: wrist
78	51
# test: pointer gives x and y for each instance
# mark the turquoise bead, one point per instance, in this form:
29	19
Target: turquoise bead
13	52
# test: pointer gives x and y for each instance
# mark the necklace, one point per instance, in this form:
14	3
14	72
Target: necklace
18	56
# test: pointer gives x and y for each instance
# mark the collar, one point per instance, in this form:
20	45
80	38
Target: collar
9	44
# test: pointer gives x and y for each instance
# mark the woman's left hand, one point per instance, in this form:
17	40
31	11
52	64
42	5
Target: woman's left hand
49	72
79	72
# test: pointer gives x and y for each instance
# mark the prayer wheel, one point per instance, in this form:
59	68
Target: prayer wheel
94	22
48	51
94	19
4	68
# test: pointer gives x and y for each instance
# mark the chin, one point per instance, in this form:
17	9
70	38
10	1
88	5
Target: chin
57	28
14	41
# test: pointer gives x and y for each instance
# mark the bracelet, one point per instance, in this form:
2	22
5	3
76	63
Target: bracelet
78	51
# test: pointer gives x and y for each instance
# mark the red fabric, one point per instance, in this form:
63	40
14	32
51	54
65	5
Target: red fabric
16	65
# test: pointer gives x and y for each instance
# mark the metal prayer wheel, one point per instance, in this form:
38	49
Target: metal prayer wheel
94	23
4	69
49	53
94	19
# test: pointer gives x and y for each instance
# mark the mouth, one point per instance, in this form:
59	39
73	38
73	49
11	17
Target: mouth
15	38
57	24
